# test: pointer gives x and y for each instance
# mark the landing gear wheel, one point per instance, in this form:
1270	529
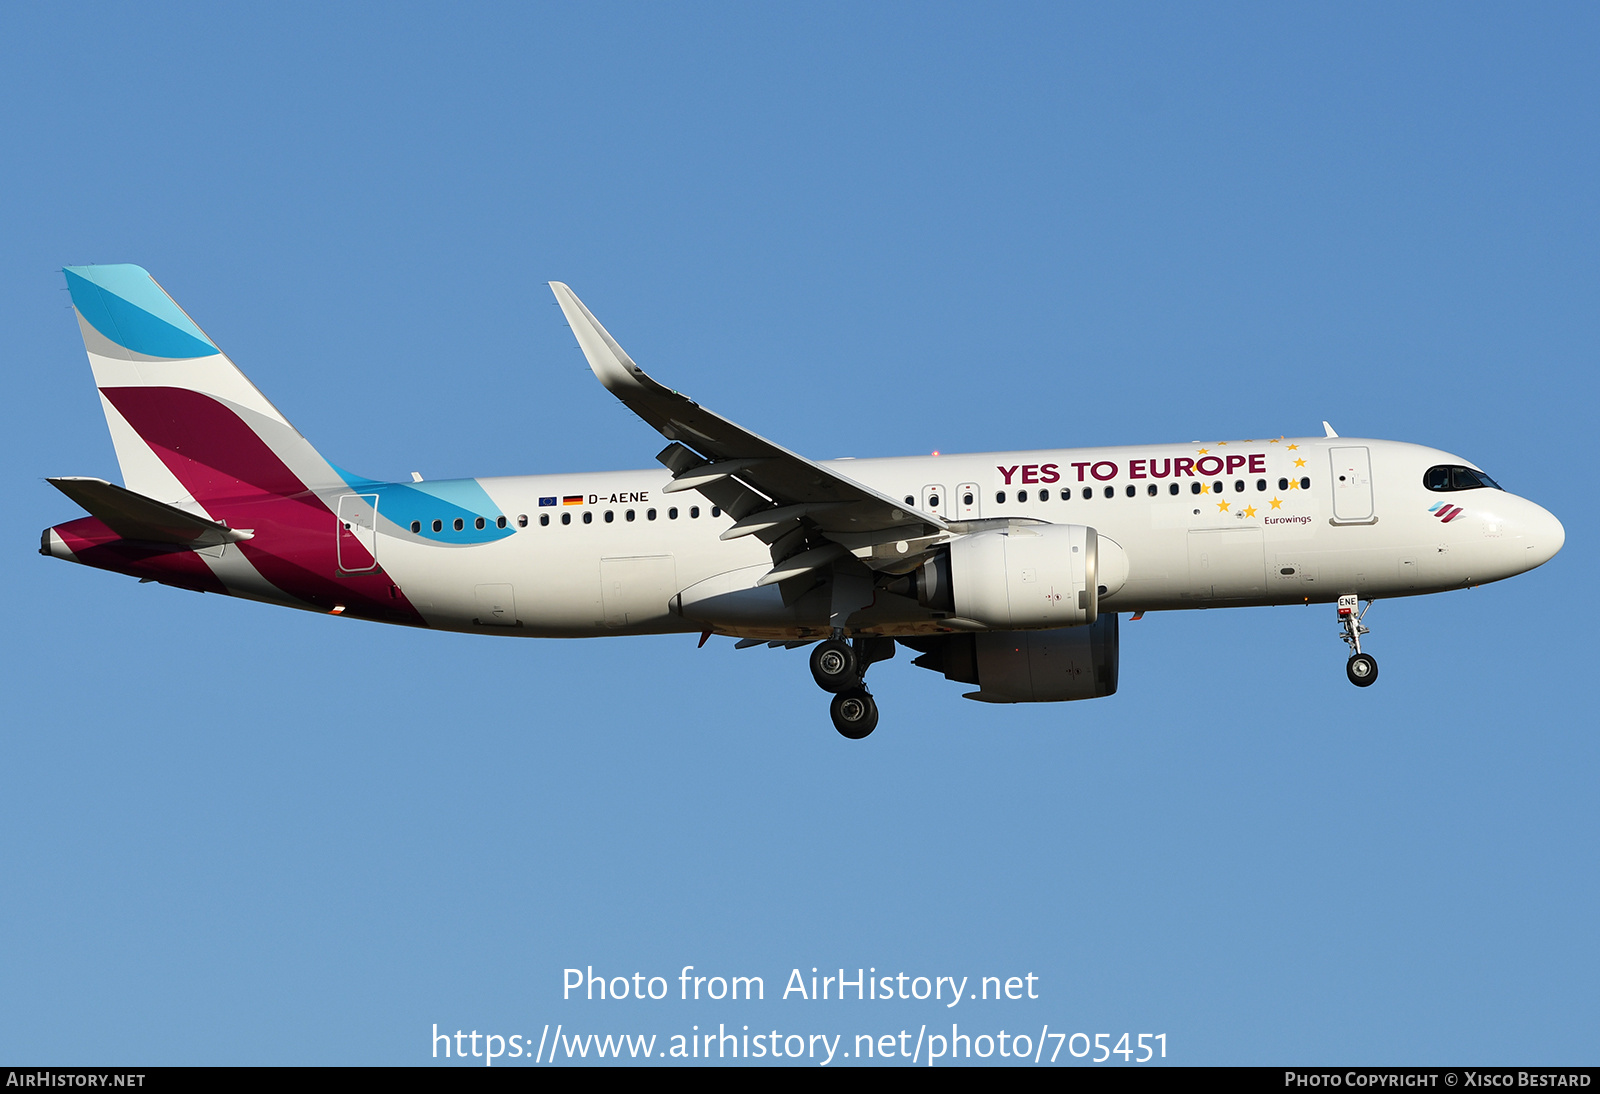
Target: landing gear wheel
855	713
834	667
1362	669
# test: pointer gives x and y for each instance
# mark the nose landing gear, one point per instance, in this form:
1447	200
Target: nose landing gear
1362	668
838	667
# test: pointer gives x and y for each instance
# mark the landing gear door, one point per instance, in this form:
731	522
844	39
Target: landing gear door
934	501
1352	484
358	532
967	501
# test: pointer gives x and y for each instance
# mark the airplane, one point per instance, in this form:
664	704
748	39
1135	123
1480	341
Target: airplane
1005	571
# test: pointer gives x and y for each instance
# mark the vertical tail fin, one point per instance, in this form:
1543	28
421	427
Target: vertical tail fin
187	425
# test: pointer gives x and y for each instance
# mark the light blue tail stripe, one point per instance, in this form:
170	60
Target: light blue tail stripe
126	305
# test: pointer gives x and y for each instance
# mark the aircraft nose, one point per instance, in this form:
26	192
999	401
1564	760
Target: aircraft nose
1542	536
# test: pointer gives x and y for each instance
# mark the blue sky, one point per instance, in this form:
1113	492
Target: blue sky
234	834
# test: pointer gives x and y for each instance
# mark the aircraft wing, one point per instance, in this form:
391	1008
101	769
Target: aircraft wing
780	496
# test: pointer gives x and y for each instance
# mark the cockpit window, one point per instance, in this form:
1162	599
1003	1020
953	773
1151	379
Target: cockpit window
1453	477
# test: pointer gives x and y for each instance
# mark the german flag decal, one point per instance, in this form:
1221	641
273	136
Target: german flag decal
572	499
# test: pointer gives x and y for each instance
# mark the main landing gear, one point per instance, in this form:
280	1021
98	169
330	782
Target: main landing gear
1362	668
839	666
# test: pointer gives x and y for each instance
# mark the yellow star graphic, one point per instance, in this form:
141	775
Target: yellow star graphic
1249	440
1250	510
1299	463
1294	484
1275	440
1203	451
1277	503
1205	488
1222	507
1222	444
1292	447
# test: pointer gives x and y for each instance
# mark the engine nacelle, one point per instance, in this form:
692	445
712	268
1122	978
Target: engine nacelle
1040	666
1025	576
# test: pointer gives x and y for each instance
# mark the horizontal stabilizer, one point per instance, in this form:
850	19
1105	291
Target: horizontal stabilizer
134	516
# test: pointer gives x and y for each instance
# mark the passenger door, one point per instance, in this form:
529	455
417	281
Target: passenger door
357	533
1352	484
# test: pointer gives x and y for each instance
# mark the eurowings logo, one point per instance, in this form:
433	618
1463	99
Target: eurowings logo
1446	512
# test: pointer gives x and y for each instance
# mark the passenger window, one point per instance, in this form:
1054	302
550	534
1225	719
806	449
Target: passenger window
544	520
1066	494
610	516
500	522
911	500
1261	485
416	526
1087	493
694	512
1000	497
1238	486
1216	487
1022	496
566	518
1044	495
716	511
966	499
1133	491
1111	491
588	517
1151	490
1194	488
522	521
672	514
479	523
628	515
1173	488
1283	484
438	526
459	524
649	514
1305	484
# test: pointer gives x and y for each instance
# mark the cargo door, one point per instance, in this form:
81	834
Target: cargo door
497	606
1227	564
636	590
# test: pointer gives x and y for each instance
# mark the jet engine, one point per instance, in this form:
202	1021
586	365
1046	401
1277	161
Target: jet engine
1024	576
1037	666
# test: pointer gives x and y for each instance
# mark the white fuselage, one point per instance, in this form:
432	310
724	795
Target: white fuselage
1240	529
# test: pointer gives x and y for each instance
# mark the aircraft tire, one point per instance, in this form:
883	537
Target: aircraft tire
833	666
1362	670
855	713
